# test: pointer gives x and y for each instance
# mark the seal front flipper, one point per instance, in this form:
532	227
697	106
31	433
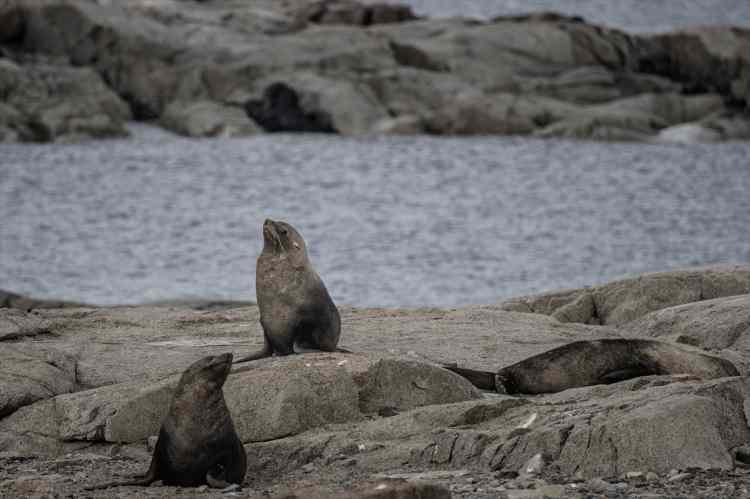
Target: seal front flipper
216	478
264	352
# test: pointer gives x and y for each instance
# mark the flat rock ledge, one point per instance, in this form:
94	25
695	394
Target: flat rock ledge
76	69
84	391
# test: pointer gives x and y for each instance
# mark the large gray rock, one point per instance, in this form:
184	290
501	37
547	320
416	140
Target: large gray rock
56	102
27	375
718	324
621	301
208	119
15	324
269	399
400	385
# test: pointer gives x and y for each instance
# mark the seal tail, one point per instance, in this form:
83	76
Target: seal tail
481	379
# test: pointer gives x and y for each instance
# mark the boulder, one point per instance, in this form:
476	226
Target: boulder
384	489
582	85
208	119
615	127
687	133
497	114
671	108
270	399
29	375
718	324
15	324
306	102
14	300
404	385
618	302
56	102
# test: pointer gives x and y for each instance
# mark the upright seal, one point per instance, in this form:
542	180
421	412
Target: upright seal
295	307
197	441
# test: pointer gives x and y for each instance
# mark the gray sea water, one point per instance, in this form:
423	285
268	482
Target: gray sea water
408	221
632	15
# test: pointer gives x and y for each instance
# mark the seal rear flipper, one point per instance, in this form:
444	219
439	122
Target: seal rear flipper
481	379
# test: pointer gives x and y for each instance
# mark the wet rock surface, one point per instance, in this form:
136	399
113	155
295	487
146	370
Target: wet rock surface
330	66
89	388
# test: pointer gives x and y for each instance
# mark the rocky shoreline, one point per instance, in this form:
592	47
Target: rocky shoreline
79	69
84	390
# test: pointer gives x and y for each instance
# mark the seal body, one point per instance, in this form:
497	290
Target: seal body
295	307
584	363
197	441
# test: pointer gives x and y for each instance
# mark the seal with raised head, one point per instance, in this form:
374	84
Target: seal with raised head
594	362
197	442
295	307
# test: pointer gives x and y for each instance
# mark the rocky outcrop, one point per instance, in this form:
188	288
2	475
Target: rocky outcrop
346	67
622	301
47	101
94	390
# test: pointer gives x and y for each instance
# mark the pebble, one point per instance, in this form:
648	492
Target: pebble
533	466
651	476
599	485
308	468
678	477
231	488
202	488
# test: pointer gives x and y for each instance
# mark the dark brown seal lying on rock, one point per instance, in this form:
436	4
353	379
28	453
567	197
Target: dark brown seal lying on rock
197	441
295	307
584	363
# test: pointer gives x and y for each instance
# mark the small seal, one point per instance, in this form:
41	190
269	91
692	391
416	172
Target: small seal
584	363
295	307
197	441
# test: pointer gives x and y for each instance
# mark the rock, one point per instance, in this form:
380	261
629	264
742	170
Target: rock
621	301
306	102
288	396
405	385
403	125
273	399
671	108
679	477
15	324
688	133
715	324
391	489
208	119
126	412
30	375
533	466
11	21
631	127
58	102
599	485
498	114
13	300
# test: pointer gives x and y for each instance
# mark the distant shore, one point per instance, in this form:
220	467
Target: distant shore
77	70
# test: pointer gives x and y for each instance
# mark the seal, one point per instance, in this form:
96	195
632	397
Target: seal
197	441
594	362
295	307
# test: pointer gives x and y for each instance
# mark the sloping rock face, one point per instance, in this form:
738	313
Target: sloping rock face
622	301
342	66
